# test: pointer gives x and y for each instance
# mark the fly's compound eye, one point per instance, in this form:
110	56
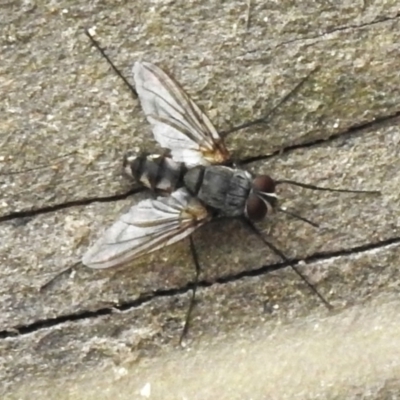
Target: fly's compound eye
264	184
256	209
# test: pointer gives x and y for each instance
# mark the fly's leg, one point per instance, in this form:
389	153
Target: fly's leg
193	297
254	229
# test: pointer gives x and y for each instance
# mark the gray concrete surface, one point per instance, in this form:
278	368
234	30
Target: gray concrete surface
65	123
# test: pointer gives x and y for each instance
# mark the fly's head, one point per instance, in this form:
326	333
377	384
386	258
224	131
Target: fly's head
262	198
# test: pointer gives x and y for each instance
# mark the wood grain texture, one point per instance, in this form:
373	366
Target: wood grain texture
66	122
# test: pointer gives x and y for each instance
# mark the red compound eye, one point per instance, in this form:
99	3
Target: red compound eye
264	183
256	209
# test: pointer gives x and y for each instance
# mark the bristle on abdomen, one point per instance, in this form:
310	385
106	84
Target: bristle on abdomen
155	171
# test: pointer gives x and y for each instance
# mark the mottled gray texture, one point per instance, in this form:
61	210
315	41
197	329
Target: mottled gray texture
63	107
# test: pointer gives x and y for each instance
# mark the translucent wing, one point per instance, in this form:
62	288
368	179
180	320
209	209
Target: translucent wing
177	122
146	227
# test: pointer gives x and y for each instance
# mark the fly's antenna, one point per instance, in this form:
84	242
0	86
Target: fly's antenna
51	281
265	118
195	285
116	70
254	229
223	134
22	171
313	187
297	216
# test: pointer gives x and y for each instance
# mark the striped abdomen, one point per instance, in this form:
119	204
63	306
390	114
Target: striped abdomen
157	172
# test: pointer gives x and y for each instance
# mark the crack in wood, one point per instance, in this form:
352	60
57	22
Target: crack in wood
162	293
24	214
62	206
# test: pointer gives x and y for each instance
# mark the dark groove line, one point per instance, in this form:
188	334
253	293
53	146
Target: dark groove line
347	133
82	202
148	297
68	204
380	19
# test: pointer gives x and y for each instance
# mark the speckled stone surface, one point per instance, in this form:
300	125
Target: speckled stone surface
66	120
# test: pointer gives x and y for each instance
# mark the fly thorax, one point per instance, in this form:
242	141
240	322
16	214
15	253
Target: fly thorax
222	188
236	196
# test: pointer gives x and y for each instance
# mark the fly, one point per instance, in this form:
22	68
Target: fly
194	180
194	183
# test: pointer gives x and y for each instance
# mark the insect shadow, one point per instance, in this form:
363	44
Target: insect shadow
193	182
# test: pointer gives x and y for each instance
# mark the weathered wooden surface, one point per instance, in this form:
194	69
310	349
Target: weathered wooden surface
116	330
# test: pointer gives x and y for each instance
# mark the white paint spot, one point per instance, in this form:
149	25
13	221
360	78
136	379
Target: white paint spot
92	30
145	391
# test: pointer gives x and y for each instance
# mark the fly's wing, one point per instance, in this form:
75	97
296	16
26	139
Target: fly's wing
146	227
177	122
